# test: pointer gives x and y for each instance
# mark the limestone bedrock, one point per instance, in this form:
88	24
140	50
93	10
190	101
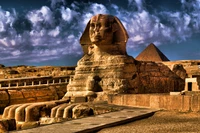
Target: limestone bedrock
106	67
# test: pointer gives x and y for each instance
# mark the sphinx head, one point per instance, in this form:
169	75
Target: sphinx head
104	31
101	31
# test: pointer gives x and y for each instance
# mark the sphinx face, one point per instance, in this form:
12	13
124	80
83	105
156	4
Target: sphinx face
100	30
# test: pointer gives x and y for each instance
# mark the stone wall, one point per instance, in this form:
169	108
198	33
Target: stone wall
31	94
181	103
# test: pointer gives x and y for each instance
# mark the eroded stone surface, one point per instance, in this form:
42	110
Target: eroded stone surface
156	78
33	114
179	70
82	110
31	71
31	95
7	125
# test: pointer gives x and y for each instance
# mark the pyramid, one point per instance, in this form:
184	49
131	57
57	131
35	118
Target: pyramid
151	53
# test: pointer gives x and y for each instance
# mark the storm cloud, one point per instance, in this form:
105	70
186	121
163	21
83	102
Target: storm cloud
52	32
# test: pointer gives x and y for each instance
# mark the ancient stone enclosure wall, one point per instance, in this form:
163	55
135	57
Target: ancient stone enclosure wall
31	94
181	103
32	89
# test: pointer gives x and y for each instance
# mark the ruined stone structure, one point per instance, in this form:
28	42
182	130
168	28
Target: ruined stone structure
106	67
179	70
32	89
33	81
27	84
192	84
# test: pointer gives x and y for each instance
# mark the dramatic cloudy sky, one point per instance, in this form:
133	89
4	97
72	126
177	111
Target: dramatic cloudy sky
47	32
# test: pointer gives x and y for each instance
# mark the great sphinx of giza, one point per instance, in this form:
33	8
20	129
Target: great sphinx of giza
105	66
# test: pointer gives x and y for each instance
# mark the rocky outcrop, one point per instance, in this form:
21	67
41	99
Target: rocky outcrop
27	125
32	71
180	71
82	110
7	125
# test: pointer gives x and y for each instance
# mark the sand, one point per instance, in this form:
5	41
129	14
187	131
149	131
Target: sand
161	122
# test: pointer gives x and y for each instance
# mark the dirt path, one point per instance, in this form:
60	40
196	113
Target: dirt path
161	122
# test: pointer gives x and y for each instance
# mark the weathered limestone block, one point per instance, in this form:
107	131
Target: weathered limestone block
58	91
156	78
20	112
37	110
21	100
33	112
28	93
43	92
60	110
27	125
15	94
82	110
9	112
3	96
7	125
6	110
45	98
30	113
4	99
54	110
68	111
180	71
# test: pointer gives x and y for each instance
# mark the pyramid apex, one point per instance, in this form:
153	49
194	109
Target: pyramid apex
151	53
152	44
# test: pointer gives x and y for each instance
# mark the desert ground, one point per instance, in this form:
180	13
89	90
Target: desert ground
161	122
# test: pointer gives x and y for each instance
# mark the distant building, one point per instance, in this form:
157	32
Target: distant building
192	84
151	53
